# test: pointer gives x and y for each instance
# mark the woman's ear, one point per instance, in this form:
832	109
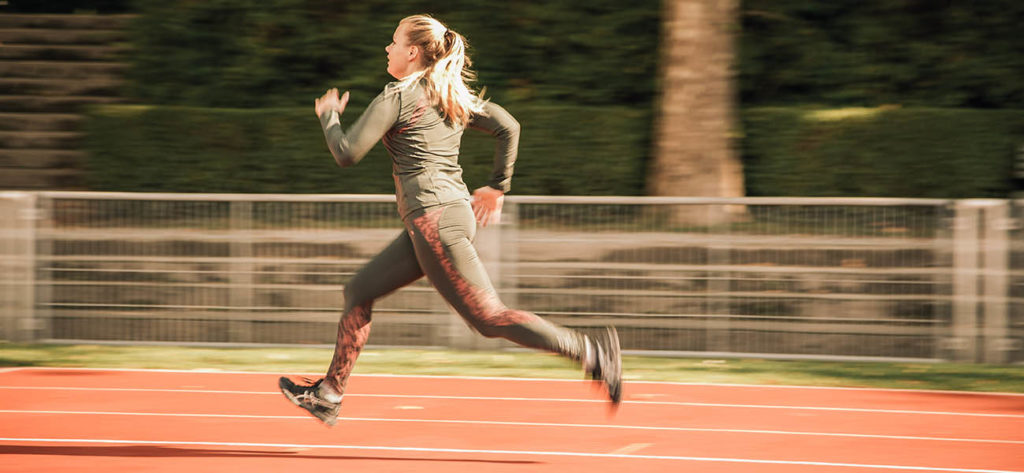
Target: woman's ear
414	53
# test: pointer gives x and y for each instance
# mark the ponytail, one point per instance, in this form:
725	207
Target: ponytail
447	69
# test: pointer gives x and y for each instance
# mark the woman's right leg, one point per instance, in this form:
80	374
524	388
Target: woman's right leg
393	268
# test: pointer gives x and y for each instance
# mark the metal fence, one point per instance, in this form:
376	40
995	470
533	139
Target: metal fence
788	277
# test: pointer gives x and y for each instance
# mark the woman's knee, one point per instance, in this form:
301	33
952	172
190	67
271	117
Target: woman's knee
488	330
500	323
355	294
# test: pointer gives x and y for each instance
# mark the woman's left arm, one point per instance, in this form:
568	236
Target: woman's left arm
350	147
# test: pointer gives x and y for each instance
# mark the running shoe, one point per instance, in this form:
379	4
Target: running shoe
308	397
608	368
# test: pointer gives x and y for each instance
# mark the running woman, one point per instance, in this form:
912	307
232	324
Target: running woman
420	118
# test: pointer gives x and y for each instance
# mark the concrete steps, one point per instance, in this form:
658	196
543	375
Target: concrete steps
51	68
60	87
57	104
82	22
40	140
30	178
43	36
62	52
26	159
40	121
63	69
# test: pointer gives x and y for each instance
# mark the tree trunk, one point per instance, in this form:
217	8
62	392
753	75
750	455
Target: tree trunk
694	153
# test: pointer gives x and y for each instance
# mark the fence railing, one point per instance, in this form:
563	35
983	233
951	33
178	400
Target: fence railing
785	277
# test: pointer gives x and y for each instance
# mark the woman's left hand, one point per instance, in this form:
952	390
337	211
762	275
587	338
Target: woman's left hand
487	202
330	101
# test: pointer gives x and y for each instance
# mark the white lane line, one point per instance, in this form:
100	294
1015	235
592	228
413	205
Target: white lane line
631	448
505	452
161	414
554	380
526	424
146	390
539	399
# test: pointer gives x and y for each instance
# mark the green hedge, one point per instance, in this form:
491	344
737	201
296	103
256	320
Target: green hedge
888	152
563	151
915	152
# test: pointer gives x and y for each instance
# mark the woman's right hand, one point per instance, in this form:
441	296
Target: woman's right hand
330	101
487	202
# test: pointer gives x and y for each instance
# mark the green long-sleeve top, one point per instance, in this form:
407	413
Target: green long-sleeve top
424	148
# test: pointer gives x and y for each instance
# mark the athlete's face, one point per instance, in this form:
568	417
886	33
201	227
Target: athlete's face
403	58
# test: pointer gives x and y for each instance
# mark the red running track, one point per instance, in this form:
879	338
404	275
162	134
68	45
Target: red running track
172	421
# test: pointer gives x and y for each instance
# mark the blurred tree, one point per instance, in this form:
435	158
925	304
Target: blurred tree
693	153
949	53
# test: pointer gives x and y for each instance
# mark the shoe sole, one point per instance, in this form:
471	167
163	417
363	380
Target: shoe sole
283	384
616	351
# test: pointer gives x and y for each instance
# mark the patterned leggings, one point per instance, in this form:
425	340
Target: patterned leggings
438	243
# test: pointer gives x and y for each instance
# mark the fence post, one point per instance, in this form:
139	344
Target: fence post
17	266
242	269
10	254
10	296
996	249
719	334
509	254
963	343
44	234
31	325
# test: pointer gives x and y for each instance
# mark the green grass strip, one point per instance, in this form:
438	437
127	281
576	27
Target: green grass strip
942	376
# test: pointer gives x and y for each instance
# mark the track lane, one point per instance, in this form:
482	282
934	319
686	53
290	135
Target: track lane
537	410
981	403
708	448
514	437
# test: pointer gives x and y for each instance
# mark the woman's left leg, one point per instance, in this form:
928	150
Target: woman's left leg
393	268
442	237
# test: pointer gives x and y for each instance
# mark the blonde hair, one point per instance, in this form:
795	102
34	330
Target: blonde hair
447	68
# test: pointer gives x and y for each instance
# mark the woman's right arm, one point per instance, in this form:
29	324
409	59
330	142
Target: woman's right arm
487	200
350	147
500	124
